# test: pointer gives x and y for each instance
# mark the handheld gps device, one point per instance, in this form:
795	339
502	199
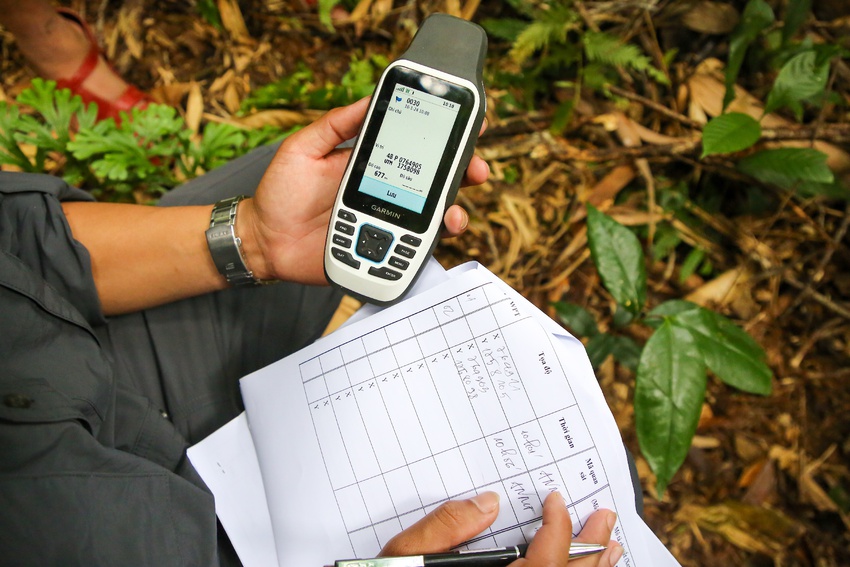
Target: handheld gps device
408	161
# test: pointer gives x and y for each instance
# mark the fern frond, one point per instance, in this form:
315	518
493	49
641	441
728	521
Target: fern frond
601	47
550	26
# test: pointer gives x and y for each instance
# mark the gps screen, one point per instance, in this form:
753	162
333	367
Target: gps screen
409	147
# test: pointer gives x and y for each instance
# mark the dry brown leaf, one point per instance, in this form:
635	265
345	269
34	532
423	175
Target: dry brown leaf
711	17
232	20
603	193
732	288
524	215
194	107
469	9
283	119
752	528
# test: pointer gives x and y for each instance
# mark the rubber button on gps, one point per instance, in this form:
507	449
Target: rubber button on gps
410	239
346	215
342	241
384	273
405	251
373	243
344	228
397	262
345	257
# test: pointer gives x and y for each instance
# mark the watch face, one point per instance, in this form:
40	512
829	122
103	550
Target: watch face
409	148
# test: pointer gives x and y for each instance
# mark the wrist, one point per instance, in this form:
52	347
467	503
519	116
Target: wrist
231	240
253	250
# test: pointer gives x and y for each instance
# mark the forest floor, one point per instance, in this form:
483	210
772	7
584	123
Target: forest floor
767	480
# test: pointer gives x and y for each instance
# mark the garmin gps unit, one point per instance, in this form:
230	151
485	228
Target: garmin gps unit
408	161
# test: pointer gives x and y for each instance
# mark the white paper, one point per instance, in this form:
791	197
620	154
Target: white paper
461	389
227	462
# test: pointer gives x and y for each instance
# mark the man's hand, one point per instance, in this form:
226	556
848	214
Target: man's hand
288	217
457	521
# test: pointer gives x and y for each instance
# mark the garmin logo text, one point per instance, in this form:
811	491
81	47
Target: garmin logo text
387	212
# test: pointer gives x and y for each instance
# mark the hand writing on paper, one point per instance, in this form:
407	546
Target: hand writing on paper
459	520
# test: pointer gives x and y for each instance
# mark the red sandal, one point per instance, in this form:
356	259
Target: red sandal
130	98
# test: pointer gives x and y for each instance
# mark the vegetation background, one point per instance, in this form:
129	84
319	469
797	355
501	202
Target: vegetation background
601	103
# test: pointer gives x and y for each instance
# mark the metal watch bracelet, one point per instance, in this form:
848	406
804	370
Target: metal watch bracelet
225	247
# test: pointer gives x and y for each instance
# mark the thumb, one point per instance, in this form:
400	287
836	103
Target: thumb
446	526
335	127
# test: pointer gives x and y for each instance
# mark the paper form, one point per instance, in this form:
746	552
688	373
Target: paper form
454	392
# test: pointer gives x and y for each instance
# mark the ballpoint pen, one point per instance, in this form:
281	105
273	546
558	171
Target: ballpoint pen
498	557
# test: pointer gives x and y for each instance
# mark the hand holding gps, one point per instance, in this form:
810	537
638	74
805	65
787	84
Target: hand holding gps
408	161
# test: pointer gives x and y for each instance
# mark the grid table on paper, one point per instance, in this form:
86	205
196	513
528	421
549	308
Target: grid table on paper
437	406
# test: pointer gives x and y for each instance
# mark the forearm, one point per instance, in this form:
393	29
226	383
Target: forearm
145	256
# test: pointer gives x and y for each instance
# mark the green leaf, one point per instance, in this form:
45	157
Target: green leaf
10	151
788	167
627	352
623	349
800	78
757	16
576	318
729	133
600	347
733	355
504	28
219	144
617	253
671	308
669	392
795	15
691	263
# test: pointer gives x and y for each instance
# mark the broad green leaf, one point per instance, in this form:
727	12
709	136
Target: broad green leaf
576	318
623	349
617	253
800	78
671	308
600	347
729	133
733	355
787	167
627	352
669	392
756	17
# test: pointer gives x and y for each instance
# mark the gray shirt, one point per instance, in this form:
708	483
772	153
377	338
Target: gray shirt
91	473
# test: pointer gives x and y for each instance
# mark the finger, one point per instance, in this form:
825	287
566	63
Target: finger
335	127
456	220
445	527
597	529
476	173
551	543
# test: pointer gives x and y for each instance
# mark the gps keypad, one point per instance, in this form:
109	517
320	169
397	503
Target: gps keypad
373	243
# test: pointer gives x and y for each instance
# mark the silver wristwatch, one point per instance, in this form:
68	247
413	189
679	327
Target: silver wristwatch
225	246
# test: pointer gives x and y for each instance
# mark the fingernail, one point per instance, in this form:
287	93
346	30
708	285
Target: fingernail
486	502
465	222
611	520
616	554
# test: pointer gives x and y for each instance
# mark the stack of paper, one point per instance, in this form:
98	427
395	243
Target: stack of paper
462	388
